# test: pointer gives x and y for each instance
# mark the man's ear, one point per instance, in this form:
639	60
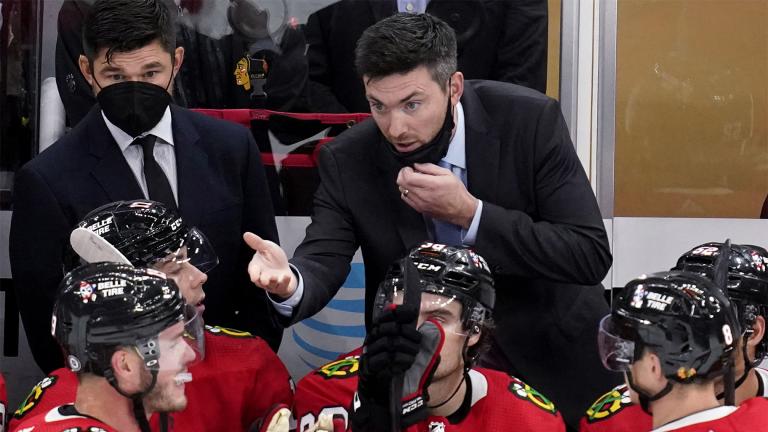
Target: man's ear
178	59
457	87
474	335
126	367
656	372
85	68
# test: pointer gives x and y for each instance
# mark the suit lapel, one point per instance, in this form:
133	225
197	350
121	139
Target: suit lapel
111	171
483	148
191	162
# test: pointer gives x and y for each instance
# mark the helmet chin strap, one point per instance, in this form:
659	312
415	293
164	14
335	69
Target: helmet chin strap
748	366
645	399
464	373
137	398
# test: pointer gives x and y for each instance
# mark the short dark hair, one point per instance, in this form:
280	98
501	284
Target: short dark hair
404	42
127	25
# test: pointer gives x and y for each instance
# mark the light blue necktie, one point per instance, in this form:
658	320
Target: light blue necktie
445	232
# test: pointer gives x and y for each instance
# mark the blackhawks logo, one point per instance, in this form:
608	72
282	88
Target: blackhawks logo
340	368
609	404
526	392
34	396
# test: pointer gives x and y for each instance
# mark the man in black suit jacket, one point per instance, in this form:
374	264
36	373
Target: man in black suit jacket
514	190
211	170
504	40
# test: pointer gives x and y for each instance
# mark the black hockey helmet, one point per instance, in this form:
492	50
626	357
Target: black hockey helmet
681	317
146	232
455	273
747	284
104	306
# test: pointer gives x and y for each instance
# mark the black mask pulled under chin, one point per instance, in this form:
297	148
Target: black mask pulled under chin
431	152
134	106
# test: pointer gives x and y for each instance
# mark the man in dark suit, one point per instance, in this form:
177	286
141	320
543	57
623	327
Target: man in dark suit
485	164
504	40
135	145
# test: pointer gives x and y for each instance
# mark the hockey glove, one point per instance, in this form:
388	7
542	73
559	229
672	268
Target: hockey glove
390	349
419	375
276	420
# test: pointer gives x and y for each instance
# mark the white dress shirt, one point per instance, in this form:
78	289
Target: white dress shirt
164	152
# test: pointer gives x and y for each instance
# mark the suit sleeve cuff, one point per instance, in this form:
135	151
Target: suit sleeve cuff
469	236
285	307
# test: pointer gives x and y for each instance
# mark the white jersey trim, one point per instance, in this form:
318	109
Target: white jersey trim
54	415
699	417
762	375
479	386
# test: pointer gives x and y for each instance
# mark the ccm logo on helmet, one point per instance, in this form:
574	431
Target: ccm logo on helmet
428	267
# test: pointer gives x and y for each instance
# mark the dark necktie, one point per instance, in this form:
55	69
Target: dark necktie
158	187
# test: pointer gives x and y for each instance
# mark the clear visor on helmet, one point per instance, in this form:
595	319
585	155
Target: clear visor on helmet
445	308
196	250
616	352
176	347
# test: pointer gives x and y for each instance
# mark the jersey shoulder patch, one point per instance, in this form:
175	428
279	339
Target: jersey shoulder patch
529	394
609	404
342	368
224	331
34	396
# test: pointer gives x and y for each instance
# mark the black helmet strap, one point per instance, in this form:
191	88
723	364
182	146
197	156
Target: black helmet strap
138	398
748	366
645	399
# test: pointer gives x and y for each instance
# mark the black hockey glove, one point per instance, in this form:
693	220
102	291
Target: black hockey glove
390	349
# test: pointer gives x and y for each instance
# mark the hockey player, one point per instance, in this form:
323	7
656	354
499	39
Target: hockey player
748	291
431	342
673	334
239	381
126	333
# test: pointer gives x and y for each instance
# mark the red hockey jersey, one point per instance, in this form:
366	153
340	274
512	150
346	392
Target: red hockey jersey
614	412
499	402
750	416
62	419
237	383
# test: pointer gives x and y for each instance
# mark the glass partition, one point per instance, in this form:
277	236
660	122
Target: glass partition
690	108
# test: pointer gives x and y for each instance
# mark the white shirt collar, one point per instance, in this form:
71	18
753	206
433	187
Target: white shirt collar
457	155
162	130
699	417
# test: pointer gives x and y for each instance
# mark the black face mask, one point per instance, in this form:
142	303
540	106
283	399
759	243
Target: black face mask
134	106
431	152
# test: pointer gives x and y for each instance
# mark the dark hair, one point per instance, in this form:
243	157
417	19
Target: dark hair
404	42
127	25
